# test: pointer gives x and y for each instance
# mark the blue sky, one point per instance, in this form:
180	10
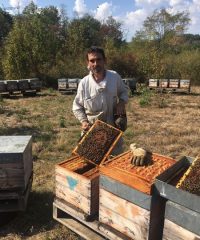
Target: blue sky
131	13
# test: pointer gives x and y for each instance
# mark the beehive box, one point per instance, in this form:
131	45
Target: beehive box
164	83
182	212
184	83
126	199
15	162
153	83
174	83
12	86
76	182
23	85
35	84
77	179
2	86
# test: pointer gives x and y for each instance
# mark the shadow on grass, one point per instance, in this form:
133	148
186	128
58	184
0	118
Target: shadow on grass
33	131
36	218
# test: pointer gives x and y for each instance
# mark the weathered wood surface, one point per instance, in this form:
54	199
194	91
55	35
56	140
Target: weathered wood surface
89	230
125	192
173	231
184	217
15	162
15	201
126	217
75	198
77	189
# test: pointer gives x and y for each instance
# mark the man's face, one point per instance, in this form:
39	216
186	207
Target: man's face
96	63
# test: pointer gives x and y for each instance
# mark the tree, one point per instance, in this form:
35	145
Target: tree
82	33
6	22
111	31
162	24
33	43
162	34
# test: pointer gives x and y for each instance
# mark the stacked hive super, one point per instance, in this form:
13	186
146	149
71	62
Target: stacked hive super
126	197
77	178
15	172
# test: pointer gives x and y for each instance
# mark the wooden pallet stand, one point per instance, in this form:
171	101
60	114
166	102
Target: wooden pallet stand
182	211
89	230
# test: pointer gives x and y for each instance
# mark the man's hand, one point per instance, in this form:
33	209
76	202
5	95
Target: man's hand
139	157
121	122
120	108
85	126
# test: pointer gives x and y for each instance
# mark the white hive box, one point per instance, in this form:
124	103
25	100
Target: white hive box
15	162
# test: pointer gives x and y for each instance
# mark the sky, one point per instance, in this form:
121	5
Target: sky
131	13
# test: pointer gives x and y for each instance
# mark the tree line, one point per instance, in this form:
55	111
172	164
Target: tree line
45	43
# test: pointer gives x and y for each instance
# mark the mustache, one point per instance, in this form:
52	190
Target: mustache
97	69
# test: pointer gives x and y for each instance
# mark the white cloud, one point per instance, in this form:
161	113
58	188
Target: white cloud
150	2
80	8
103	11
18	5
175	2
133	21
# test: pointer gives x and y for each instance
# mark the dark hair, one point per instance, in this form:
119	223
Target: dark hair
95	49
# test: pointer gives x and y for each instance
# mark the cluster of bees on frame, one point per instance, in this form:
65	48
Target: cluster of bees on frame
97	142
191	179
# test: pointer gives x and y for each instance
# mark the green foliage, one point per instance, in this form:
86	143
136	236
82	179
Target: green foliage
6	22
145	96
111	31
82	33
44	43
162	24
62	122
32	44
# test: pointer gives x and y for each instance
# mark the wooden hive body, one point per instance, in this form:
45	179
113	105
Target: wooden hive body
174	83
77	184
125	194
184	83
182	211
15	162
77	179
164	83
153	83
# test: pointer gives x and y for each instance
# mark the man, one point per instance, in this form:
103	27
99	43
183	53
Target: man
101	94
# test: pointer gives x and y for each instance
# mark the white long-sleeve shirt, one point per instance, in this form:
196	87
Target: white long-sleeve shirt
98	100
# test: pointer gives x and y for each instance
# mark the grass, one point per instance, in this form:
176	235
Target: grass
168	124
